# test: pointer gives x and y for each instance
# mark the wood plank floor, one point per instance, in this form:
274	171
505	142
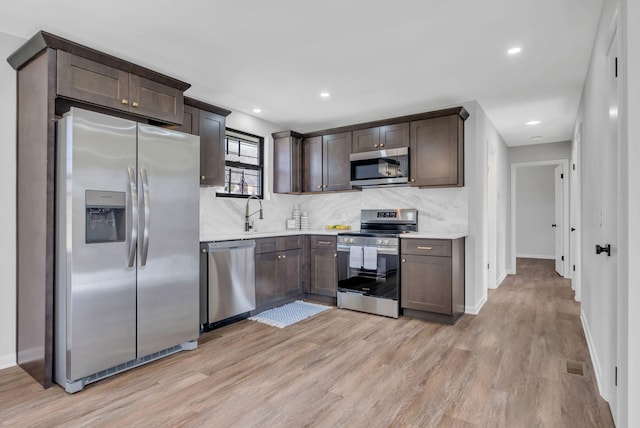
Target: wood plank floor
505	367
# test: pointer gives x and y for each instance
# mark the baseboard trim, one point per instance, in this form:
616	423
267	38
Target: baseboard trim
499	281
475	310
535	256
597	369
7	361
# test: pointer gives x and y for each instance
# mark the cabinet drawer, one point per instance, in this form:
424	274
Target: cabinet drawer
289	243
426	247
266	245
319	241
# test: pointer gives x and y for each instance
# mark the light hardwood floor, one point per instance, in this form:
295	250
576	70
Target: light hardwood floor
505	367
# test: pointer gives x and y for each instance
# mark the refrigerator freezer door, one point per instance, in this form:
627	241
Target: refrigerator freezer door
168	238
95	288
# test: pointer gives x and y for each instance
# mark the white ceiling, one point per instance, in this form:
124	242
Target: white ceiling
377	58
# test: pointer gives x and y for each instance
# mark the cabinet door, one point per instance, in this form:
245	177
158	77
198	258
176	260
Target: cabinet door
211	128
155	100
190	123
287	159
312	153
436	152
289	269
268	285
426	283
336	149
85	80
394	136
366	140
324	271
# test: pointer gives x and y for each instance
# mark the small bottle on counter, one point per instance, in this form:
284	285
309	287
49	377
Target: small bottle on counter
304	221
295	215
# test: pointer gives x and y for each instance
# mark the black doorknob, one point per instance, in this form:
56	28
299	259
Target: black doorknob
604	249
573	229
553	225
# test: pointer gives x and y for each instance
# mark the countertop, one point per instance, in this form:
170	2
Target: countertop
331	232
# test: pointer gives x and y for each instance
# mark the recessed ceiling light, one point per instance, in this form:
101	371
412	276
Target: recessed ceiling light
534	122
257	110
536	138
514	51
325	94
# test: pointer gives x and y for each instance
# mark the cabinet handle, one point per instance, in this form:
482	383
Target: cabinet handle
381	144
335	255
375	146
135	104
413	180
404	260
325	186
203	177
324	242
204	250
124	101
279	257
320	186
284	256
424	248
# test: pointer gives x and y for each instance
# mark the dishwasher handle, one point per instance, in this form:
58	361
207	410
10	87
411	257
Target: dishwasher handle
229	245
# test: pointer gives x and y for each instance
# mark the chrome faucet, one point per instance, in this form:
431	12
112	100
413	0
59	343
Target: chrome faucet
247	227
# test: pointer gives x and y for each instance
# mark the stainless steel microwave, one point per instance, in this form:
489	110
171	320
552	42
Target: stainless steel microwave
380	167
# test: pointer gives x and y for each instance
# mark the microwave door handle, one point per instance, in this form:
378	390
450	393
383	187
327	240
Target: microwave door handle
147	211
133	240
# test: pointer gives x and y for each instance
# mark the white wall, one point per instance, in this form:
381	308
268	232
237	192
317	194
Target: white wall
535	211
8	44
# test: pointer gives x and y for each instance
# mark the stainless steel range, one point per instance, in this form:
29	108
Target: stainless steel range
369	260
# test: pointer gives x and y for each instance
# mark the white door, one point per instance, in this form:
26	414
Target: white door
558	225
609	228
575	215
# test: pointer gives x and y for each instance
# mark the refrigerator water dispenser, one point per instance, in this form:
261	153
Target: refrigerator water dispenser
105	216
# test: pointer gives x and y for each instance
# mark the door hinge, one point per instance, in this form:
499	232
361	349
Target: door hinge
616	66
574	268
616	375
562	176
562	258
487	265
574	166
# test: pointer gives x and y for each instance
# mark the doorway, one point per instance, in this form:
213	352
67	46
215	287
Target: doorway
556	225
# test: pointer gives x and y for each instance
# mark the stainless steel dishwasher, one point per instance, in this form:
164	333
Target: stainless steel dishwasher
227	280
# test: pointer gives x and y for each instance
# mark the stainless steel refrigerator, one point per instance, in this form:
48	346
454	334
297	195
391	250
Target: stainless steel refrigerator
127	280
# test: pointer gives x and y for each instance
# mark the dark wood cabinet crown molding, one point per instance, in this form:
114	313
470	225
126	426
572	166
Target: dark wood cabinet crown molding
207	107
460	111
42	40
286	134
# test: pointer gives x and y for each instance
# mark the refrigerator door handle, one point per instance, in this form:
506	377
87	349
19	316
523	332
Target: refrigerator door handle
134	216
146	209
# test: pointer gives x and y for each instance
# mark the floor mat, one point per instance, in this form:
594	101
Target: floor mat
289	314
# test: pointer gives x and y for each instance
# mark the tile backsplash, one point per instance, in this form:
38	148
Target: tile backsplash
439	210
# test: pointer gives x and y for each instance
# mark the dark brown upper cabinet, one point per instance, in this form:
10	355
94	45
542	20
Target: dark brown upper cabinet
326	163
381	138
312	168
336	149
287	162
437	152
99	84
207	121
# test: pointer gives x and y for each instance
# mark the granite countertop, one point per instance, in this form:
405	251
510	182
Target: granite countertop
260	234
434	235
332	232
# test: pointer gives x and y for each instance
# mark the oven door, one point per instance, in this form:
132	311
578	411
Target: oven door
380	167
382	282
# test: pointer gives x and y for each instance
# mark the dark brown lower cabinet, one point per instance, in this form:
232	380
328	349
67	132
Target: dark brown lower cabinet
323	266
432	279
279	272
